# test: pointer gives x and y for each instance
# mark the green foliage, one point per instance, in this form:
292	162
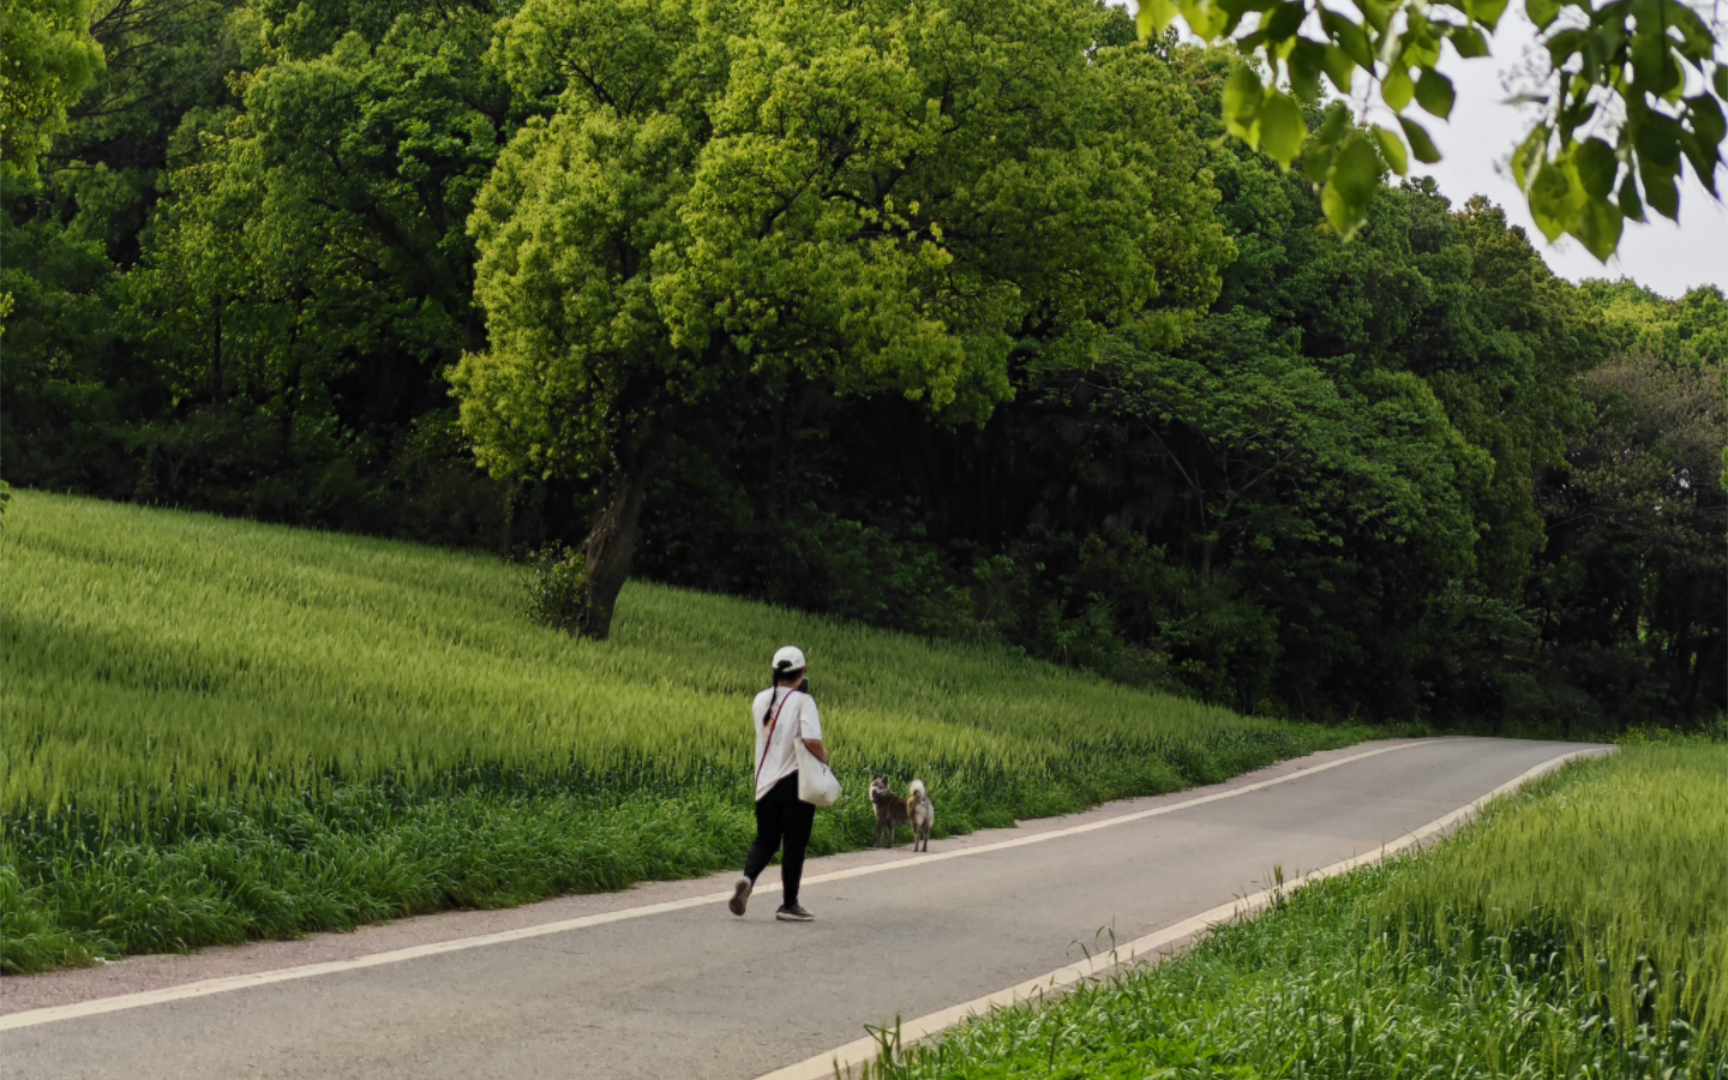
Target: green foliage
212	311
557	590
1323	499
1616	119
1690	331
1577	929
324	225
1647	576
49	60
6	489
1269	447
379	732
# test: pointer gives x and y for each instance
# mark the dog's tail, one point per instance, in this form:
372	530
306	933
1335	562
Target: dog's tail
918	794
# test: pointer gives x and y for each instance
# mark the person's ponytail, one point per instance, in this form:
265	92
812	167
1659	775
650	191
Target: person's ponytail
783	672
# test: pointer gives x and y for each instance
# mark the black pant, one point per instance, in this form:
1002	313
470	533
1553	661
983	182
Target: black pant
781	815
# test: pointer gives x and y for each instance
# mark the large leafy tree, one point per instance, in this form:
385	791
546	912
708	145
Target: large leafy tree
313	267
1261	447
70	232
882	196
48	61
1638	581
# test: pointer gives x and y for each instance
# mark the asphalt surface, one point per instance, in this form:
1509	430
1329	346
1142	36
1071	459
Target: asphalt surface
699	993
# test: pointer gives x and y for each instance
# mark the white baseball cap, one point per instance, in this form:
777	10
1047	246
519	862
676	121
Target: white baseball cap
789	658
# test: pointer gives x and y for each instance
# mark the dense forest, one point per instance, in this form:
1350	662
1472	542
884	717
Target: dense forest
1411	476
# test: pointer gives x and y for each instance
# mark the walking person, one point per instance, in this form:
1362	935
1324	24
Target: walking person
783	713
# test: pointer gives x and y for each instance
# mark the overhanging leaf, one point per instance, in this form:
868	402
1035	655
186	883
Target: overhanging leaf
1241	105
1542	12
1707	119
1348	37
1468	41
1375	13
1284	21
1659	190
1420	144
1529	158
1339	68
1554	201
1154	17
1306	61
1392	149
1486	12
1397	89
1435	94
1282	131
1598	228
1205	18
1355	174
1653	68
1631	206
1597	167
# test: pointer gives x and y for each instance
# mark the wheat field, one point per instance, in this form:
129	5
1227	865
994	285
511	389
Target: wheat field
150	652
1622	863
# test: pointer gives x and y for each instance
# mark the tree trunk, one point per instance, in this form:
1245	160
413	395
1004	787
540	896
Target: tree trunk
774	455
221	385
607	551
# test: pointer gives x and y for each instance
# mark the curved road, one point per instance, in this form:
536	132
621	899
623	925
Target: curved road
689	991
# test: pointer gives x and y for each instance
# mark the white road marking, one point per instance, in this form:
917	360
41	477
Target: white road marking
206	987
841	1060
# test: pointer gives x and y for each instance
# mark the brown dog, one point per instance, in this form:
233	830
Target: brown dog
892	811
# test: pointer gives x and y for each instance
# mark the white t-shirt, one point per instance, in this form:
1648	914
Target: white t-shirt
798	719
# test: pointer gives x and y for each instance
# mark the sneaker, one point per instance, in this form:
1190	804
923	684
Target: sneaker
793	913
740	896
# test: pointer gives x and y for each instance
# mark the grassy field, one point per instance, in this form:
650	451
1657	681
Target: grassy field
217	730
1623	865
1577	929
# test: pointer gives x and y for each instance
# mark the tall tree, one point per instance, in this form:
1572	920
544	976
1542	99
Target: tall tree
1635	582
880	195
314	265
48	60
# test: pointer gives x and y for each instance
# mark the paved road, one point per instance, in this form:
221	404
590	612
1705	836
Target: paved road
698	993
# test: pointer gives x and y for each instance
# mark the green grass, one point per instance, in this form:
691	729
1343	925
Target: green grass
1577	929
1623	864
218	730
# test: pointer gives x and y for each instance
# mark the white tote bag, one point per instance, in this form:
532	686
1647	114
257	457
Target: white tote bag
817	784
